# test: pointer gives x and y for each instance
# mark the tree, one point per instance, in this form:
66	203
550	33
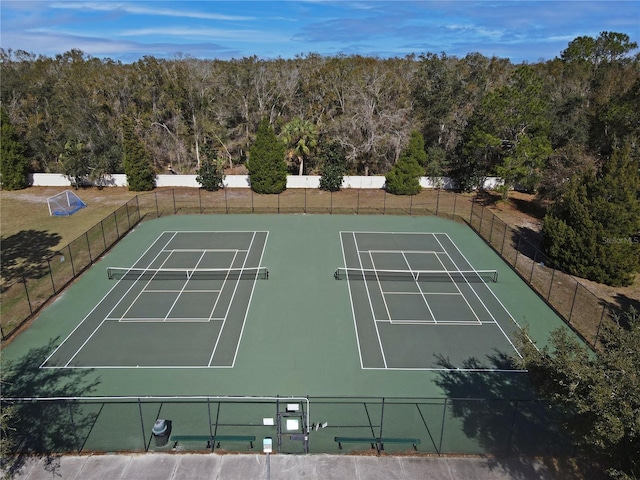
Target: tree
332	161
590	230
267	168
599	392
14	165
301	137
136	161
74	163
211	172
403	179
512	122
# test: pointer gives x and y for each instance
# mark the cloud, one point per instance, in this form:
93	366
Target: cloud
136	9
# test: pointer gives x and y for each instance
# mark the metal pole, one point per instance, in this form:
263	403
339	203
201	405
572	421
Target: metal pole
144	437
73	270
115	220
26	290
444	414
437	202
86	236
575	294
53	285
226	202
173	195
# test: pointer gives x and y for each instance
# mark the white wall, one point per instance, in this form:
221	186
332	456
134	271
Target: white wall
242	181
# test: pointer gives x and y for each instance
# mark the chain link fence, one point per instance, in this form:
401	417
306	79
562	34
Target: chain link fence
330	425
579	307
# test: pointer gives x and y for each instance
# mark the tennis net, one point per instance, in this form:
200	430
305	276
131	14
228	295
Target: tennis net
456	276
251	273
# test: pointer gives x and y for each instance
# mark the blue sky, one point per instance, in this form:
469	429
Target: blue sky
130	29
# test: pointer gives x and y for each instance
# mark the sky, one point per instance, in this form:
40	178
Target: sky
127	30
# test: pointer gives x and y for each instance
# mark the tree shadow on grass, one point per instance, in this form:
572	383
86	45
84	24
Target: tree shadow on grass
500	412
23	254
43	428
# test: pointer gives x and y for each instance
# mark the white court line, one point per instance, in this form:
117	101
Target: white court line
460	291
353	313
144	289
235	289
246	311
103	298
205	250
224	282
483	304
373	313
406	261
384	299
183	286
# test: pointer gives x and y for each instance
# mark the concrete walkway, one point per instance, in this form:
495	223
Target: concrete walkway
166	466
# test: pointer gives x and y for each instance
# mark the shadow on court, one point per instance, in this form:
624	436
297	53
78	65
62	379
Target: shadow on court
501	412
42	429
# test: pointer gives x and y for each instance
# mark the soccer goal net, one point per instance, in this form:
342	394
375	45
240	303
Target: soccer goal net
65	203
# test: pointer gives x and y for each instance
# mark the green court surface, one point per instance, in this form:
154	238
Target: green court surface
255	306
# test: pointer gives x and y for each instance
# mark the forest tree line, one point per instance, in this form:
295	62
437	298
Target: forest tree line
532	124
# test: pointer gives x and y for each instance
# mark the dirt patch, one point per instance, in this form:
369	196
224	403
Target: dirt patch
525	213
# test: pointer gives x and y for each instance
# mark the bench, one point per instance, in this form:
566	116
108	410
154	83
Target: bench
377	441
213	440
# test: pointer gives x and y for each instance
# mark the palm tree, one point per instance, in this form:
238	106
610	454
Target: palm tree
300	136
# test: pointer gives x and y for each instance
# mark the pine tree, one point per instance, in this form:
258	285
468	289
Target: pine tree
136	161
591	230
333	162
267	167
13	162
211	172
404	177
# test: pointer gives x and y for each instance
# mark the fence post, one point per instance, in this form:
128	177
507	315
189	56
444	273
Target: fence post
26	290
226	202
455	200
444	415
384	202
173	195
595	340
358	203
515	262
331	202
104	237
305	199
53	285
200	200
115	221
473	203
126	207
410	205
438	201
381	425
73	269
144	437
155	195
533	264
86	236
504	238
573	302
493	218
553	274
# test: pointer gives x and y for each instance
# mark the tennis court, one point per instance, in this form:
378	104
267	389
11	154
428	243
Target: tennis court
189	286
415	294
327	333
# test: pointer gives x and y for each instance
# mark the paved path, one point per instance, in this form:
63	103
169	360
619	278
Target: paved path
165	466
